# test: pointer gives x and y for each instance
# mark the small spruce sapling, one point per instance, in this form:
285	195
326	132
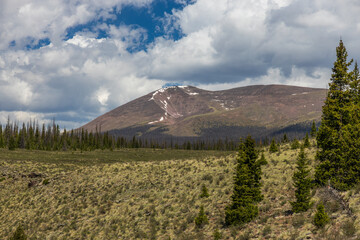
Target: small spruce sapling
201	219
262	160
204	192
306	141
273	147
321	218
285	138
295	144
313	130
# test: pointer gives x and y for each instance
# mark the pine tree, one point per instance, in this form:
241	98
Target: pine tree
12	143
306	141
201	219
313	130
321	218
247	192
338	137
302	183
273	147
204	192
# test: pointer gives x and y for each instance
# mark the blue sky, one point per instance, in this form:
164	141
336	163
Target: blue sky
75	60
149	17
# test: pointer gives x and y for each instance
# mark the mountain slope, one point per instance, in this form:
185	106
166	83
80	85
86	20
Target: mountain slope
187	111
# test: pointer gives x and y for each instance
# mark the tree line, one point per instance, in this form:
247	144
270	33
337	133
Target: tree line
49	137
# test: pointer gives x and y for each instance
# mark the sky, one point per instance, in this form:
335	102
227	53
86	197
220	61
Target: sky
73	60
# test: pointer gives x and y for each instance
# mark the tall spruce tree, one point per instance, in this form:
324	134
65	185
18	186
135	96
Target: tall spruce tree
313	130
338	137
247	192
302	183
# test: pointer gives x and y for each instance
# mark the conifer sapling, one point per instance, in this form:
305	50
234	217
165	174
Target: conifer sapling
302	183
273	147
321	218
201	219
204	192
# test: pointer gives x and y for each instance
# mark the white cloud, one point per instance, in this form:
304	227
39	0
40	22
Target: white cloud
320	18
226	44
24	19
102	95
298	77
84	42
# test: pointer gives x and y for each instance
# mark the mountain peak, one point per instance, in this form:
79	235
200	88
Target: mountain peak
190	111
172	89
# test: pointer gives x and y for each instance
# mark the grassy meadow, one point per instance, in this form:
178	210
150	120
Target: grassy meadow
154	194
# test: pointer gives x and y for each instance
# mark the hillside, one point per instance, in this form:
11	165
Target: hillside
119	195
186	111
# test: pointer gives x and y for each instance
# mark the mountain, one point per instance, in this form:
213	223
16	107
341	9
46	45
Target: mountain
190	112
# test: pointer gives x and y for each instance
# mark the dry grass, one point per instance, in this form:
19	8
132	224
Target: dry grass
153	199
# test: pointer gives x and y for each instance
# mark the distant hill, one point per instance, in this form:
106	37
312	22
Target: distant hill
190	112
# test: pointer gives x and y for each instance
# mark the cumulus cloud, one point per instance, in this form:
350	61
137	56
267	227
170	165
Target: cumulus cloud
26	20
297	77
225	44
